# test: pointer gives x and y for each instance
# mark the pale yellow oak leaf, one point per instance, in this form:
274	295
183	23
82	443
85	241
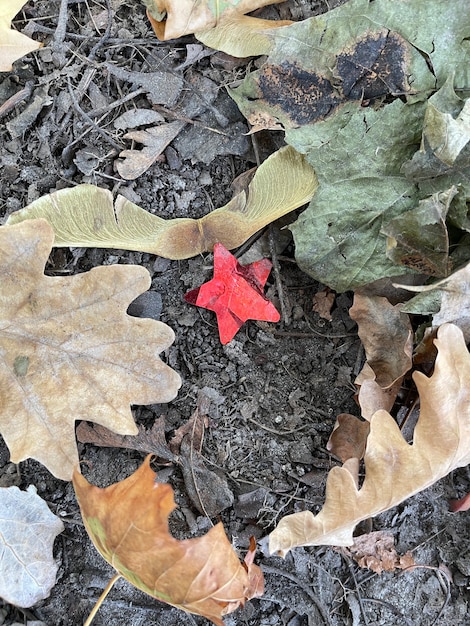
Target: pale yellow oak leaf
395	470
69	351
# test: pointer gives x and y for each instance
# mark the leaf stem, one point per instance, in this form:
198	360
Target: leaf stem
101	599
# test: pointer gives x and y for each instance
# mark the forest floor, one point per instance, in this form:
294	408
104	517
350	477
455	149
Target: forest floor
273	392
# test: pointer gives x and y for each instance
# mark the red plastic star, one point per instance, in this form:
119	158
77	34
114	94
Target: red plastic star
235	293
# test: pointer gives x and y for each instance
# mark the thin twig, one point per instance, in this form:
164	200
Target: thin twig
16	98
61	28
88	119
105	35
358	594
444	578
117	103
191	457
112	40
57	44
277	276
81	89
178	116
390	607
279	572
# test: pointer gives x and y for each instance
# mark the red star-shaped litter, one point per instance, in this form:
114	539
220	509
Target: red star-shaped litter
235	293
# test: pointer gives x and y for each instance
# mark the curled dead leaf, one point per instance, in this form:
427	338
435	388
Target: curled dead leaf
395	470
128	524
386	335
371	396
349	436
154	140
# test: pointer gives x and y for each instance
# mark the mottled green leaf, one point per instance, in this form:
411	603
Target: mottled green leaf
448	300
339	237
351	89
447	123
418	239
444	156
360	51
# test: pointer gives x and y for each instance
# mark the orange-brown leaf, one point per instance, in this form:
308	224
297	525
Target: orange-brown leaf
128	523
386	335
388	342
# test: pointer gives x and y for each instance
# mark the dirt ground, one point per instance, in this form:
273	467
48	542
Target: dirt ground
274	391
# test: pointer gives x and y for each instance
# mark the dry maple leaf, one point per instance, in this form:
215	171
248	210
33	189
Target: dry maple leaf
69	351
13	45
395	470
128	523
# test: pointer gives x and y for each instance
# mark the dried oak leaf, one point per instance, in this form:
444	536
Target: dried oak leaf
13	45
69	351
377	552
395	470
128	523
27	533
